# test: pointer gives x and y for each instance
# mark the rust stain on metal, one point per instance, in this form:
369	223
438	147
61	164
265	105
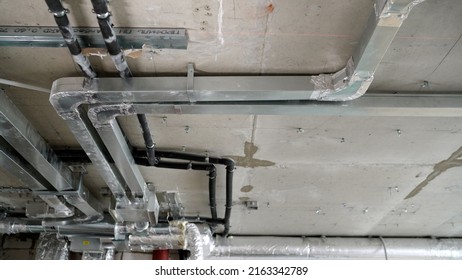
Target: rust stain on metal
438	169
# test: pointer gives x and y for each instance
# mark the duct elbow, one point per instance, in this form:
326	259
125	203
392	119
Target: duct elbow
195	242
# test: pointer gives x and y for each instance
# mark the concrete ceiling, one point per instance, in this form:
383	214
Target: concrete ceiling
311	175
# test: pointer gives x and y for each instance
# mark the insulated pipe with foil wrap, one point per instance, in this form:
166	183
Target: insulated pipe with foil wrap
180	235
345	248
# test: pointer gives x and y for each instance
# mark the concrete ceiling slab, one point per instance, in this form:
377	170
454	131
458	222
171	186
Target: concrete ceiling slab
310	175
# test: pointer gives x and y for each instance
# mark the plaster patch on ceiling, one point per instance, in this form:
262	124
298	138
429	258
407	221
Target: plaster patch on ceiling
248	160
438	169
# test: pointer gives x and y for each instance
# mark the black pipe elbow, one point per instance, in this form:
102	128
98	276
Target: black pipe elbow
230	164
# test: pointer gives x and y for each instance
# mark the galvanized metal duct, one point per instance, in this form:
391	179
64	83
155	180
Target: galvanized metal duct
336	248
40	168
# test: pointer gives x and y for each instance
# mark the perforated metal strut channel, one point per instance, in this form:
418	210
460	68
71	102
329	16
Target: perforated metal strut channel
90	37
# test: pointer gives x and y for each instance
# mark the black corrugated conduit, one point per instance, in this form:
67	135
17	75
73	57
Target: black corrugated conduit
60	15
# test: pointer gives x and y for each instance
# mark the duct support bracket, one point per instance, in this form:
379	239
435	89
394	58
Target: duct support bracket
190	83
143	210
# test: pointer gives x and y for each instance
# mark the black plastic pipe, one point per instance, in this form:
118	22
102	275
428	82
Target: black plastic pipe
140	158
229	196
110	39
230	166
60	15
148	141
212	192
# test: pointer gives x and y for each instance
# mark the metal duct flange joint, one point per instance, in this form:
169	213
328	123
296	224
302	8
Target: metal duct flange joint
143	209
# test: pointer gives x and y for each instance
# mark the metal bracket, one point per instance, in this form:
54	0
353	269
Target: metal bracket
170	205
190	83
252	205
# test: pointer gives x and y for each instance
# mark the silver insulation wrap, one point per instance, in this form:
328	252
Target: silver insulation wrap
179	235
336	248
172	237
109	254
49	247
11	227
258	246
93	256
194	242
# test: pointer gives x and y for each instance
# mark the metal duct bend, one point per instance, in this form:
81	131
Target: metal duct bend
335	248
194	242
179	235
